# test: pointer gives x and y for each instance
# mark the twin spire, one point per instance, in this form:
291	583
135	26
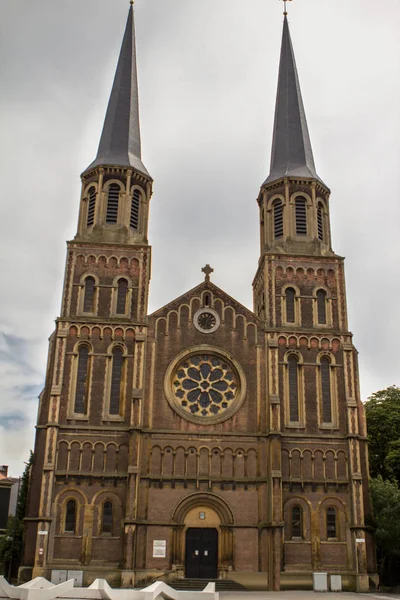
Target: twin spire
291	155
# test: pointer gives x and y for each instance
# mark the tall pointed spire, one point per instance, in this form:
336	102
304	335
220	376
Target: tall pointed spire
120	139
292	154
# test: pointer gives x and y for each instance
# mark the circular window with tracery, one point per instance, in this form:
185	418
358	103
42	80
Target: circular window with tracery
205	386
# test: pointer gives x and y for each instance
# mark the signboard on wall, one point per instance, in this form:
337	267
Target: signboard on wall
159	548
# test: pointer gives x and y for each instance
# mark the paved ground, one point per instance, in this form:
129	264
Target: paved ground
306	595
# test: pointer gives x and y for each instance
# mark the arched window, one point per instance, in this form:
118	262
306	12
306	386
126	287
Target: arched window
112	203
290	305
320	221
116	380
88	301
107	519
278	219
321	307
121	296
326	390
70	516
135	206
82	380
207	300
331	523
293	388
301	216
297	525
91	206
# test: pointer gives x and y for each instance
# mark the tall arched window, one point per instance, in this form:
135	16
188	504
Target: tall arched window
88	301
278	219
91	206
122	291
320	221
296	524
116	381
293	388
290	295
82	381
326	390
301	216
112	203
331	523
107	518
70	517
135	207
321	307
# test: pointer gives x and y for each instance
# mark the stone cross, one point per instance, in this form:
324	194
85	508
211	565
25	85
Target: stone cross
285	9
207	270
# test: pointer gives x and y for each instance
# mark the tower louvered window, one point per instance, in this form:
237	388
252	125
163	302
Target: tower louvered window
331	523
82	379
301	216
326	390
320	221
290	305
121	296
70	517
88	301
321	307
116	381
107	520
293	388
135	206
91	206
278	219
297	529
112	203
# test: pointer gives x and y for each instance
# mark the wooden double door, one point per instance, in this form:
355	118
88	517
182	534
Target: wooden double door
201	560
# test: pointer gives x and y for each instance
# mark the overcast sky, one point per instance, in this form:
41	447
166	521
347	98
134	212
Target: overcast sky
207	76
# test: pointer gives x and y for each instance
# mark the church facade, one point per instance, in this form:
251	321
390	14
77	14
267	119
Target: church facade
204	440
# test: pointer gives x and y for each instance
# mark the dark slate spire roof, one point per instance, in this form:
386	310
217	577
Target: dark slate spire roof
120	139
291	146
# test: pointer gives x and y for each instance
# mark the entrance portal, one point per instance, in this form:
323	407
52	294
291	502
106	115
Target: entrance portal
201	561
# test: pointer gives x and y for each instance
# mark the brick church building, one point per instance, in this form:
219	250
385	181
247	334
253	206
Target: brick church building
204	440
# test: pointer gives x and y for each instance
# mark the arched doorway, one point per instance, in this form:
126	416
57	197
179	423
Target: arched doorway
201	555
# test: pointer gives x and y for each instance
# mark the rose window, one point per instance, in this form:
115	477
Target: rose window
205	385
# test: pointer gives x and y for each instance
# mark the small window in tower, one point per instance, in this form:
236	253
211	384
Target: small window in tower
278	219
121	296
91	206
88	301
207	300
301	216
290	305
135	207
81	391
293	388
326	390
321	307
320	221
112	203
297	529
116	380
331	523
107	521
70	517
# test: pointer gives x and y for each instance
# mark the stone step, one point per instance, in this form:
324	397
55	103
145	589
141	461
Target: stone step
221	585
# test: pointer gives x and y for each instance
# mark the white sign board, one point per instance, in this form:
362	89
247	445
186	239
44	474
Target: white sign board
77	576
360	540
159	548
58	576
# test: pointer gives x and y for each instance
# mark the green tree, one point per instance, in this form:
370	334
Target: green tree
382	411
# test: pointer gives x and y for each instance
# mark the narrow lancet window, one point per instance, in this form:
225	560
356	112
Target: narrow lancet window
121	296
88	301
326	390
82	379
70	516
278	219
112	203
116	381
91	206
321	307
290	295
320	221
331	523
135	207
107	521
301	216
297	522
293	388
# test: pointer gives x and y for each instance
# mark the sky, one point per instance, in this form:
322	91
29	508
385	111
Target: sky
207	77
